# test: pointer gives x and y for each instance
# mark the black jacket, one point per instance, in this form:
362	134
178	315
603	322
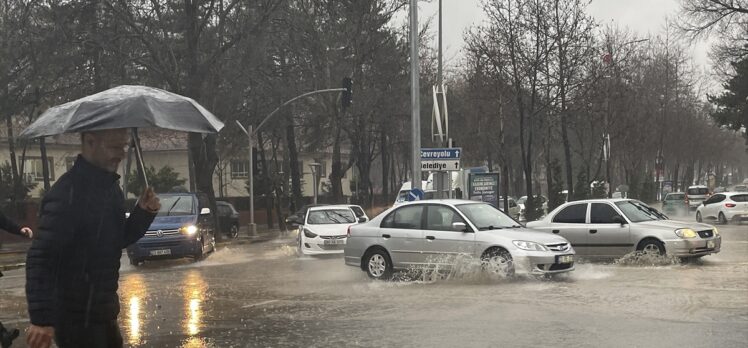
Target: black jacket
72	267
9	225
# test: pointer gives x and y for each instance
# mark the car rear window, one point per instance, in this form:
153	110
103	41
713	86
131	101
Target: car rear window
698	191
739	198
675	197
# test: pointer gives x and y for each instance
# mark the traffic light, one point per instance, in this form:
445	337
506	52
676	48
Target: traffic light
347	97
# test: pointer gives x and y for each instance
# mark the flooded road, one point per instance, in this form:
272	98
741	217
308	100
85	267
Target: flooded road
264	295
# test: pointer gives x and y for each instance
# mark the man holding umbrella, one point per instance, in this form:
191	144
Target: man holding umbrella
72	268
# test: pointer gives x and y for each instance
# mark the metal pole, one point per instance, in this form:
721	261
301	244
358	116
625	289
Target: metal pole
439	76
415	97
314	181
252	225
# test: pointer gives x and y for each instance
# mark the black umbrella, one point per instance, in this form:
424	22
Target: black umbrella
126	107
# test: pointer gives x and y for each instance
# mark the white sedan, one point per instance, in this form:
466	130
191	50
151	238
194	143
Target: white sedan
724	207
325	229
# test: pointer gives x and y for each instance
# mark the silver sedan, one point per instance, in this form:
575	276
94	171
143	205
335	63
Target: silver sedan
433	233
616	227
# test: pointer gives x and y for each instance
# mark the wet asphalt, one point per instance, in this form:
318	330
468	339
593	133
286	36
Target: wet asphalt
265	295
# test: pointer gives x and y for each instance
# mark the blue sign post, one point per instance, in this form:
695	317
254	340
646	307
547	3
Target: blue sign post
415	194
441	160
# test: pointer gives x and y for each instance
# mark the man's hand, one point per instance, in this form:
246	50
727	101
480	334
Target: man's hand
40	336
27	232
149	202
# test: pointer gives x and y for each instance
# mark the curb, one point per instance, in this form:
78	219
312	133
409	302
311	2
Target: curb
12	266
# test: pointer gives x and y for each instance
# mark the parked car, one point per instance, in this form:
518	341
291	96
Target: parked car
325	229
616	227
184	227
675	203
433	233
513	210
740	188
521	202
695	195
228	219
360	213
724	207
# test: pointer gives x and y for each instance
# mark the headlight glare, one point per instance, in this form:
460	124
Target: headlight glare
716	231
530	246
188	230
686	233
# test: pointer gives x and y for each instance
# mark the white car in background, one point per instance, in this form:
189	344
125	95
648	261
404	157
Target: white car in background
724	207
325	229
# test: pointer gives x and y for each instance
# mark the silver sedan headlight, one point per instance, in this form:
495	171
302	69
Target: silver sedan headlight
685	233
529	246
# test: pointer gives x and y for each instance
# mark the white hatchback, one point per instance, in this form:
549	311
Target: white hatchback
325	229
724	207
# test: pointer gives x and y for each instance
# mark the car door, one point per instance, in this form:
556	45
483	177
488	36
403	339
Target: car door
571	223
711	207
441	244
607	238
401	234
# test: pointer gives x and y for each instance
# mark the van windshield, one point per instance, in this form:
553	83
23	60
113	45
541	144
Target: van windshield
176	205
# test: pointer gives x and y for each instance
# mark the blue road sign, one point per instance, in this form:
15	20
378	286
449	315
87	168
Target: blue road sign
415	194
438	154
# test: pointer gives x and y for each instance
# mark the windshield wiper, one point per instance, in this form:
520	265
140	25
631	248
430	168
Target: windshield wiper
488	228
168	212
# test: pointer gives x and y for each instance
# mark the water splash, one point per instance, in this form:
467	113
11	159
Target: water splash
639	258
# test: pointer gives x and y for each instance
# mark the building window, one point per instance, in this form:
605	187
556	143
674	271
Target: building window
33	170
239	169
322	169
69	162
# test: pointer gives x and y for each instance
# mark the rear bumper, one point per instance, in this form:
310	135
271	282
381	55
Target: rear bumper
693	247
317	246
736	215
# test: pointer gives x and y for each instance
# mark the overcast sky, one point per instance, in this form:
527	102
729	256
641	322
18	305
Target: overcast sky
641	16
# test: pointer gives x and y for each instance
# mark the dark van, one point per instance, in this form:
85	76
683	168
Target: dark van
184	227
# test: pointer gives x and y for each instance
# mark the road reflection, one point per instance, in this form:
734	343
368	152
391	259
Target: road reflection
195	288
134	291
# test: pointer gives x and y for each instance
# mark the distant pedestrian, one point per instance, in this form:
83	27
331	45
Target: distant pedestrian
72	268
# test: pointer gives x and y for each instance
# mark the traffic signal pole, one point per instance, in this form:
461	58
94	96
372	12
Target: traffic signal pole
252	132
415	97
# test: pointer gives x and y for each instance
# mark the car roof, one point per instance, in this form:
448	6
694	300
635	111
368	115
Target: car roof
329	207
676	193
601	200
697	186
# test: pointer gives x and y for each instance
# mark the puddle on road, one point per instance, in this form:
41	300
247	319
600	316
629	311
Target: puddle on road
638	258
225	256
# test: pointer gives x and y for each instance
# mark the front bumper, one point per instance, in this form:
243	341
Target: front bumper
693	247
154	248
319	246
542	262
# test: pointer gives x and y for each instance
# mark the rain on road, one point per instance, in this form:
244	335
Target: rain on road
265	295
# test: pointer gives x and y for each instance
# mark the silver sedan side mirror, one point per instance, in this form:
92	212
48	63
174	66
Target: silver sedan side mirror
459	227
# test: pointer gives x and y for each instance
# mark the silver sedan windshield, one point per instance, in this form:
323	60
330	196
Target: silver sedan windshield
637	211
486	217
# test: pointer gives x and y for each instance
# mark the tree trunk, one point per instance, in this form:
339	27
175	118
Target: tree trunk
385	158
294	164
17	180
336	170
266	179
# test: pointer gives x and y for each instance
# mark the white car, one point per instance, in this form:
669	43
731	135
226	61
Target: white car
724	207
325	229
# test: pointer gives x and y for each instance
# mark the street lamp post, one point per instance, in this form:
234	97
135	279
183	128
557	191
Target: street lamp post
251	133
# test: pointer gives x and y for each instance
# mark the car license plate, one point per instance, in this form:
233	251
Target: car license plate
160	252
710	244
334	241
565	259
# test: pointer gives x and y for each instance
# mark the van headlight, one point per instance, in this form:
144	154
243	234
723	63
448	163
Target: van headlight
188	230
530	246
685	233
309	234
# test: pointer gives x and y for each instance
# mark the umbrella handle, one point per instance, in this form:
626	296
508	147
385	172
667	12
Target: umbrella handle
139	157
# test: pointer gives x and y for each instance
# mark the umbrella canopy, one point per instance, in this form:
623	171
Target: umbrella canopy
125	107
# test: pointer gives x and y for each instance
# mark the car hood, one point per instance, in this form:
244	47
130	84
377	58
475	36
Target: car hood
672	224
172	222
526	235
329	229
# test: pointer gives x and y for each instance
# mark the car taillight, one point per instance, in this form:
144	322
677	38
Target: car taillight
349	231
730	205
